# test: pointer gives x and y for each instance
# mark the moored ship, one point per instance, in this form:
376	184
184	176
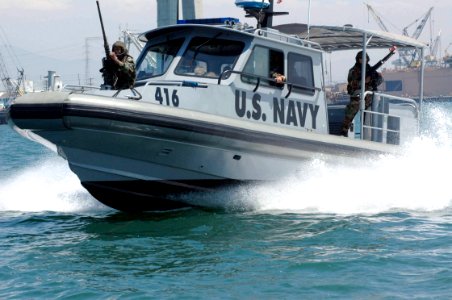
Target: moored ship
405	82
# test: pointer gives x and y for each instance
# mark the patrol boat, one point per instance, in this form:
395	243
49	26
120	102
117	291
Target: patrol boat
205	113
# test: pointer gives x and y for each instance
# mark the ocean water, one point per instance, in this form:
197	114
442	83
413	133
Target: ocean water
323	234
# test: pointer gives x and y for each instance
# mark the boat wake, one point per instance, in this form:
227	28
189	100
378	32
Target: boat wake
48	185
416	181
412	182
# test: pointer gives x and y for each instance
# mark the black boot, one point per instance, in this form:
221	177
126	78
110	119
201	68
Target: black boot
344	132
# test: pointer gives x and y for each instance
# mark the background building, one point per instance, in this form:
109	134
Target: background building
168	11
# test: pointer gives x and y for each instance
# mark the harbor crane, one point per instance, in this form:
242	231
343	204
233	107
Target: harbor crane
4	76
132	38
407	57
421	25
447	59
434	48
12	87
376	17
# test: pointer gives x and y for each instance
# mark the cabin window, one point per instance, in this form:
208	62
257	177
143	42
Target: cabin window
262	64
209	57
300	73
158	58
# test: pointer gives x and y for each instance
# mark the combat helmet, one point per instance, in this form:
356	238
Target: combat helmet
360	55
119	44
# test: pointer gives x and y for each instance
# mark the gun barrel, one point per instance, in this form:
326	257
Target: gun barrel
107	48
382	61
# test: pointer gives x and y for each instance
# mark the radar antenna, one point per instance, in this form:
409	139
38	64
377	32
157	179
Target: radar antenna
261	10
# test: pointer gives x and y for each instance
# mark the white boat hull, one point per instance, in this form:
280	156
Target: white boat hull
141	156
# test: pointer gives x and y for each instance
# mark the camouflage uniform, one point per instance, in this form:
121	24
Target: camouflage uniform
121	77
354	89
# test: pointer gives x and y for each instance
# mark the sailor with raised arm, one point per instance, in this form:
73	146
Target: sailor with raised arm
372	80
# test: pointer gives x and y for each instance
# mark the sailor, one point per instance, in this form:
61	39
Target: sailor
373	80
123	67
277	67
278	77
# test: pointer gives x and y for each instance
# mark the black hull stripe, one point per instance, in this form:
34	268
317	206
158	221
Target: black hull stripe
58	111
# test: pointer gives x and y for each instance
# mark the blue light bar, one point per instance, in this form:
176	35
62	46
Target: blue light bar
210	21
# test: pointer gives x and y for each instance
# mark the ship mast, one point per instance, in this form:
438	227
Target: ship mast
264	15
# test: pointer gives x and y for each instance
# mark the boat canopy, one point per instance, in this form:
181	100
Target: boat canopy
326	38
335	38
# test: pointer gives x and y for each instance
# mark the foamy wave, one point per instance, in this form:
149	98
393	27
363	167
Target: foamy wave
414	181
438	125
417	180
49	185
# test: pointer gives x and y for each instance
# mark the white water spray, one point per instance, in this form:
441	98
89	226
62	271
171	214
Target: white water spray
48	185
418	180
415	181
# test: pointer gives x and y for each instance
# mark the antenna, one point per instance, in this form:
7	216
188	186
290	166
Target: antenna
309	18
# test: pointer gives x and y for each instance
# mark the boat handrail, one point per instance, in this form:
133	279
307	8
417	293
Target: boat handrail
84	88
403	100
384	115
392	97
382	127
134	92
291	39
189	83
226	73
80	88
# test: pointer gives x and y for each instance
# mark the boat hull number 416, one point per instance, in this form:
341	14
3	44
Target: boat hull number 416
285	111
167	97
288	112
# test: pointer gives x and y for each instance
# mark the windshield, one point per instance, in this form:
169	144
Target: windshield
158	58
209	57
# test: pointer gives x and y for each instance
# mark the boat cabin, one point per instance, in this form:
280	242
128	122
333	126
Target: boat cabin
227	71
232	66
204	52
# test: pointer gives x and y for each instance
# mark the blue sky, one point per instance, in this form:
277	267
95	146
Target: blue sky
58	29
